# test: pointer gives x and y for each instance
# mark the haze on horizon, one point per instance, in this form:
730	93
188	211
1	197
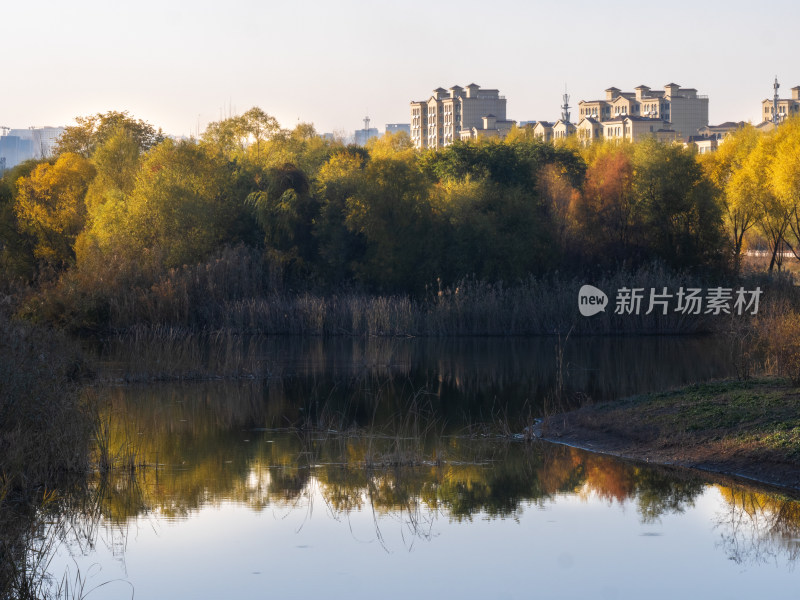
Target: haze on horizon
180	66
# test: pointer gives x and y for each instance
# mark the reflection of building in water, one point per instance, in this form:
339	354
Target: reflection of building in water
19	145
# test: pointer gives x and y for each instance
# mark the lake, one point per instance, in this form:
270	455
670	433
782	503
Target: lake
395	468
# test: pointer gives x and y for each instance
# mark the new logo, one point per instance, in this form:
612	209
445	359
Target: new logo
591	300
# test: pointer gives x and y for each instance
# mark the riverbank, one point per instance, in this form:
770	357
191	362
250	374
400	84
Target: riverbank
748	429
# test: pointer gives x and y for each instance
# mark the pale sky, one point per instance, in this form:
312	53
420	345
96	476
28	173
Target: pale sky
177	64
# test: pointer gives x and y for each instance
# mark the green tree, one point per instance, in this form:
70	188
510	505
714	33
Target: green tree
393	213
339	180
286	211
682	221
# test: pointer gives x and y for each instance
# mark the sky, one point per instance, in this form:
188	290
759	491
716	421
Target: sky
181	65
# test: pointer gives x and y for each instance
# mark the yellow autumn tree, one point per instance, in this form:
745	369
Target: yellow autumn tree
738	187
51	208
784	175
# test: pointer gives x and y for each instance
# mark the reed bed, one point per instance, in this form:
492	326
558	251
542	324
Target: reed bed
202	299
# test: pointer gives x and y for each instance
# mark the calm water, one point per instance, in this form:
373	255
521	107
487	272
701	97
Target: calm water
385	468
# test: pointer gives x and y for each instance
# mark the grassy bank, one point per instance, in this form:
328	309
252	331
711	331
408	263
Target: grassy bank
749	428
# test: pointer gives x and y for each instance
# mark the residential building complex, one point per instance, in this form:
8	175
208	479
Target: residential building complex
439	120
490	128
777	109
675	108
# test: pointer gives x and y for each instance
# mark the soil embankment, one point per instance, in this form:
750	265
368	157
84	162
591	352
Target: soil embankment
748	429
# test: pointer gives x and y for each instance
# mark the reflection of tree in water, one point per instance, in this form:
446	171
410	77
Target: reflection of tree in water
469	377
757	527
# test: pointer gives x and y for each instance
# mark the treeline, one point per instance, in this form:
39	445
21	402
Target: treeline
121	210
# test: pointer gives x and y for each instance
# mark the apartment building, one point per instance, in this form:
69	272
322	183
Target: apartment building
490	128
787	107
589	129
439	120
562	129
683	108
632	128
543	130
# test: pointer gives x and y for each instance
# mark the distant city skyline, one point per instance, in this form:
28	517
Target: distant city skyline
180	66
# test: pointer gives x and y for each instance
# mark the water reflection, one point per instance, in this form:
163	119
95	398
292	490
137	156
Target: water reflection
418	483
466	374
411	435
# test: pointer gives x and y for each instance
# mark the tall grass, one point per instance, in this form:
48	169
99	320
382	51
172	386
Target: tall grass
237	290
45	432
44	420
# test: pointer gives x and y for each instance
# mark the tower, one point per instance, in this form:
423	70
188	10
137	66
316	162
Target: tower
775	99
565	107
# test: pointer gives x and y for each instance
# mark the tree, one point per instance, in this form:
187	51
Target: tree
736	185
286	211
242	136
94	130
681	219
605	213
17	259
50	207
392	211
773	215
182	207
339	179
301	147
784	175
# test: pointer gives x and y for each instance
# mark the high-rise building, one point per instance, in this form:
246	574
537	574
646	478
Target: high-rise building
438	121
362	136
398	127
18	145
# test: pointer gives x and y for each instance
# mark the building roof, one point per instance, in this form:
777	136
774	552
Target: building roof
728	125
636	118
